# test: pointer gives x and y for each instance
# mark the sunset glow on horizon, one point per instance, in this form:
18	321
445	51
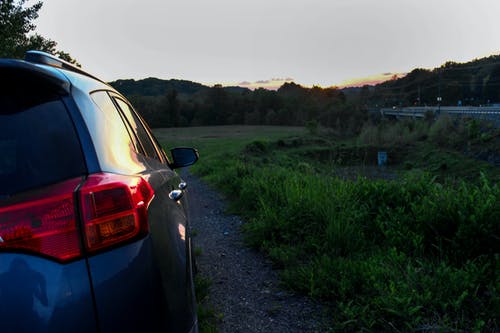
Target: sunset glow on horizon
271	84
276	83
267	43
371	80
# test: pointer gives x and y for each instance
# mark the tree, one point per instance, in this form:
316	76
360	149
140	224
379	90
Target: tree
16	31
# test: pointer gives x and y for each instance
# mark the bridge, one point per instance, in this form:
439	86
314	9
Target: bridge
491	113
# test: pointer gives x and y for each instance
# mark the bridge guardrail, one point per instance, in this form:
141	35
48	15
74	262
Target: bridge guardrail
452	110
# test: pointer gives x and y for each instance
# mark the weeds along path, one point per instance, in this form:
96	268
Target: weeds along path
244	288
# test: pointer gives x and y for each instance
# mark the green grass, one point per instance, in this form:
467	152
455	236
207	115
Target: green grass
446	162
228	139
207	316
421	251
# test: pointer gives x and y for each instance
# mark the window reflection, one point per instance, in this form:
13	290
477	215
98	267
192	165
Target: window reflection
120	147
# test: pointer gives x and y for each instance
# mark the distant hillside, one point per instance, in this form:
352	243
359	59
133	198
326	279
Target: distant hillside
473	83
165	103
153	87
156	87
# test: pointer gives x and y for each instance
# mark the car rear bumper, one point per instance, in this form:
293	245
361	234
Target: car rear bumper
40	295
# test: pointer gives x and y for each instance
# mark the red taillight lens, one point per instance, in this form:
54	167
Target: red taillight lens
114	209
44	222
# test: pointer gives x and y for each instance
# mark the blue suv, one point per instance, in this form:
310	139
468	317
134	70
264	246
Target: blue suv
94	235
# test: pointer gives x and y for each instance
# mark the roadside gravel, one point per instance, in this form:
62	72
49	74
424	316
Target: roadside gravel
245	289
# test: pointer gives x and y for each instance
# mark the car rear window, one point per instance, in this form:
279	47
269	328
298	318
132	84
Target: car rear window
38	142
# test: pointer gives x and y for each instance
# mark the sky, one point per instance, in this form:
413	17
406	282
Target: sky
268	42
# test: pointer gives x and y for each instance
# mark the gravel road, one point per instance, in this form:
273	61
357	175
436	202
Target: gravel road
245	289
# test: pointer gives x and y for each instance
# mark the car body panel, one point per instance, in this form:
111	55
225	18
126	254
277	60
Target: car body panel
169	230
125	285
40	295
45	74
141	285
81	128
151	271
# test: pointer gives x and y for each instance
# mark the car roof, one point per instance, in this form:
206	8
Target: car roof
44	74
56	72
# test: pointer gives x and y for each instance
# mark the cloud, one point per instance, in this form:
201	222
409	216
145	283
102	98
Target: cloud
271	84
371	80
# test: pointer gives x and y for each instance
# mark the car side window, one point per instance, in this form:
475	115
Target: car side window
121	133
144	137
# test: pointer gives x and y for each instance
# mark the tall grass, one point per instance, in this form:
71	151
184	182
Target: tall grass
445	131
411	254
397	255
394	133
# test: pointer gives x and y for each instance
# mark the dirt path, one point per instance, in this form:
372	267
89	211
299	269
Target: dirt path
245	288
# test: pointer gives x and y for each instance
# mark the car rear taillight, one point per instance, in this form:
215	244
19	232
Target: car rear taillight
114	209
43	222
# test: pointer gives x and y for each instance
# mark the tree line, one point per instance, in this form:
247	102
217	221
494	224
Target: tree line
196	105
473	83
17	31
166	103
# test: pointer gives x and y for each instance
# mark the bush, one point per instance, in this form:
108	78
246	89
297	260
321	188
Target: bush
257	147
394	133
312	127
404	255
447	131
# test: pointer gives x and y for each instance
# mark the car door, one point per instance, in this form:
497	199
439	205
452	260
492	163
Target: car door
168	225
143	285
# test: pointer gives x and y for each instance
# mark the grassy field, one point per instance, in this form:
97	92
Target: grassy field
212	139
412	246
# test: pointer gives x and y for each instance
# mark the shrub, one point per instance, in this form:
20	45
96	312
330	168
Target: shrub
447	131
312	127
404	255
257	147
394	133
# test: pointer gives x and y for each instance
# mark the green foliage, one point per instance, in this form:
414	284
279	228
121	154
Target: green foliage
473	129
447	131
471	83
207	317
401	252
198	105
16	37
394	133
448	147
456	223
257	147
343	111
16	23
401	255
312	127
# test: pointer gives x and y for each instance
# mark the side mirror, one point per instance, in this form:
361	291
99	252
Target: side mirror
183	157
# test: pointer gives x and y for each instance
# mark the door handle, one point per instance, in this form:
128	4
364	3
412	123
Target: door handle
176	195
183	185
